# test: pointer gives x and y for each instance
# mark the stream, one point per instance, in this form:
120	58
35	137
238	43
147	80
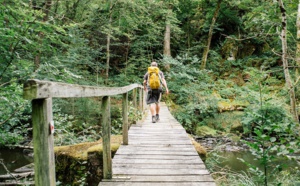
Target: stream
13	159
229	154
228	157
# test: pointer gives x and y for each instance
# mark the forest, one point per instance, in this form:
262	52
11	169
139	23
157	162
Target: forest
232	68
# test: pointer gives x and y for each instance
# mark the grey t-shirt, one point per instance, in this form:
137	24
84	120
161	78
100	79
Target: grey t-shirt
161	74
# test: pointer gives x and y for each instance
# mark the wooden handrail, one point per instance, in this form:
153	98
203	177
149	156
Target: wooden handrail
41	94
37	89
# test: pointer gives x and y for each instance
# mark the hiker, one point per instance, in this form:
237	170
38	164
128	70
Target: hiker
153	81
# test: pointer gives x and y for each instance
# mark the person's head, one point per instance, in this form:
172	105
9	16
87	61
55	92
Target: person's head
154	64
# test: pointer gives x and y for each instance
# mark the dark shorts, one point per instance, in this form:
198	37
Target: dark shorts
153	96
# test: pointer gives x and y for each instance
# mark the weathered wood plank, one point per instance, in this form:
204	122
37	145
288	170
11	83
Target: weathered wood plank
125	118
161	142
156	149
106	130
168	178
133	161
160	166
157	184
153	172
175	153
44	163
156	157
37	89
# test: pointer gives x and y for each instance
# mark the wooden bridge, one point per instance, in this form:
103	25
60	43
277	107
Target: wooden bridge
152	153
158	154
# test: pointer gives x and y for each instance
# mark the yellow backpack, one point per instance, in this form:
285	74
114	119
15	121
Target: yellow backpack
153	77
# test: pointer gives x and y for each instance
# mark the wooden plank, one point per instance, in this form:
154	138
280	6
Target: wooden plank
168	178
160	142
157	184
160	148
36	89
158	166
165	172
44	164
158	161
186	153
157	137
106	130
156	156
162	145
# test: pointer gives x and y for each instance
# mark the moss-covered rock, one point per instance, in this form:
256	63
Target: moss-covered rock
237	128
206	131
231	105
82	163
199	148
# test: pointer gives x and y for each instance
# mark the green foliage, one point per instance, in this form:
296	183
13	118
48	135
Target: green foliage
274	118
15	114
274	133
190	89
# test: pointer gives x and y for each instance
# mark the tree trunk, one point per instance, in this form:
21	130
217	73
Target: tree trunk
108	44
298	42
288	80
167	41
46	10
210	33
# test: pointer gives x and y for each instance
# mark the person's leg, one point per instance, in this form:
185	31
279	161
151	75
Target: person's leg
153	113
157	109
153	109
158	105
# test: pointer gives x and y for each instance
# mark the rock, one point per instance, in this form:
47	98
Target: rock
206	131
73	162
199	148
237	128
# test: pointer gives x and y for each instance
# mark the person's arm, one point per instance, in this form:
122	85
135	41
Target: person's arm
145	81
145	85
165	85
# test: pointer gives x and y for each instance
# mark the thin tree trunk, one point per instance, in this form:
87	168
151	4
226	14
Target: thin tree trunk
285	62
46	10
108	44
167	41
167	44
210	33
298	41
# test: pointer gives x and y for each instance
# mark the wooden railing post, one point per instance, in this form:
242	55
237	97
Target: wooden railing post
134	95
125	118
145	93
141	101
106	129
42	120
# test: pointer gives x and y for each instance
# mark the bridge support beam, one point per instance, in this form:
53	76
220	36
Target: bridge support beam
42	120
106	130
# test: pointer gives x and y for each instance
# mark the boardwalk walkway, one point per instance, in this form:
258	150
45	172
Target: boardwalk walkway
158	154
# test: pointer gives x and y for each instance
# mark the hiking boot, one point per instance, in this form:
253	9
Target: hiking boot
157	117
153	119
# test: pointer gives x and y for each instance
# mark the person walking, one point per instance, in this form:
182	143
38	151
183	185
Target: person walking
154	79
